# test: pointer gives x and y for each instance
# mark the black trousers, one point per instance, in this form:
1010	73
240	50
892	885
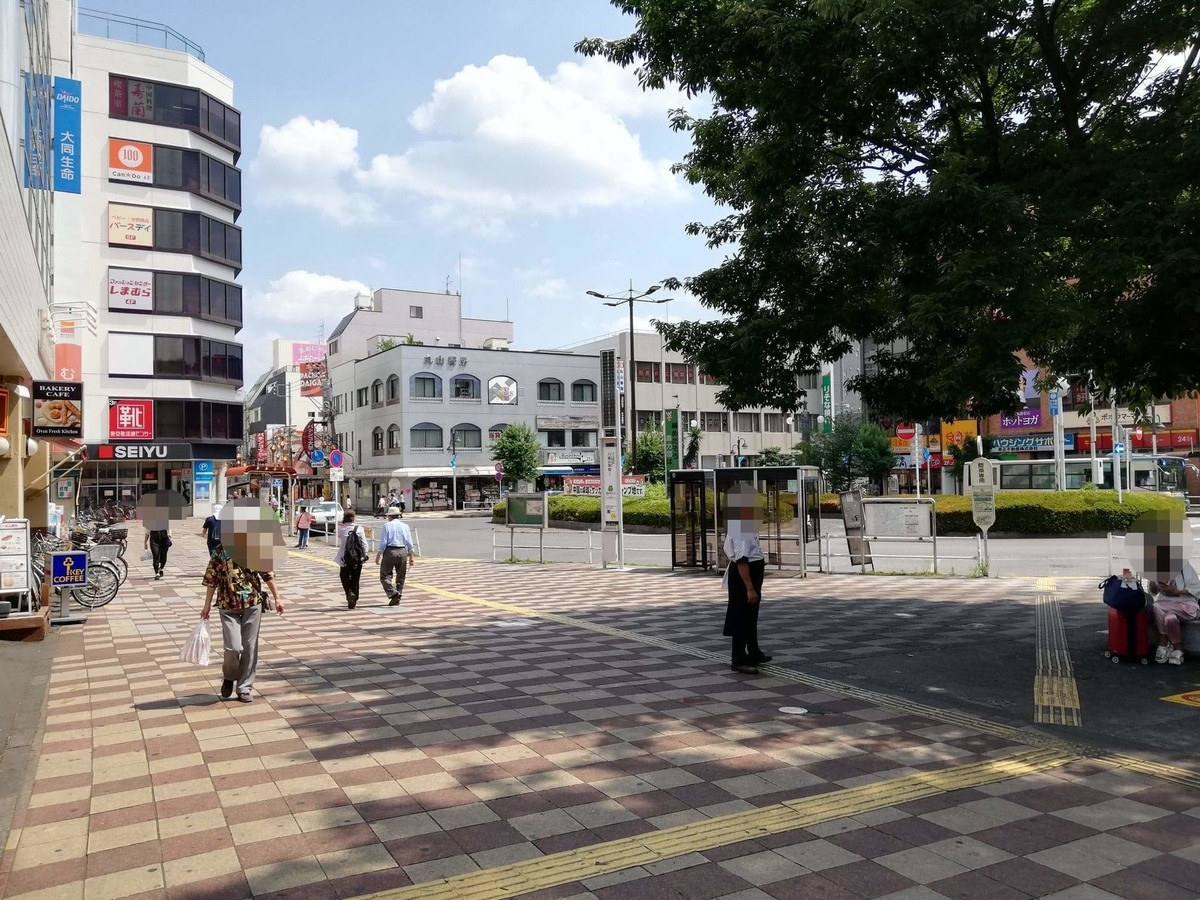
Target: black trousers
350	573
741	617
158	553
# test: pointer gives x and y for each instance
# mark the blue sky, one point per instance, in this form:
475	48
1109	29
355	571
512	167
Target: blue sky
381	140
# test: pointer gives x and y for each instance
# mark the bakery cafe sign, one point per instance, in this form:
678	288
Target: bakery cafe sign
57	409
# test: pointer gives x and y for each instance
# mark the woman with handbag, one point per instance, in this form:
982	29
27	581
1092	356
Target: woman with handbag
240	578
159	542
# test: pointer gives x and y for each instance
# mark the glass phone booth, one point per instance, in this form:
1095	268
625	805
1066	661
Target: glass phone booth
790	534
693	526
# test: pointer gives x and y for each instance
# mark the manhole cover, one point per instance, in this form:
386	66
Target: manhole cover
793	710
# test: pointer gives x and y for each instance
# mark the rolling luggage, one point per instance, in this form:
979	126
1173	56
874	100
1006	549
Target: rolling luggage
1127	636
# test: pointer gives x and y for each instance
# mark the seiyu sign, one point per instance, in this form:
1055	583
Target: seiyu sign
149	452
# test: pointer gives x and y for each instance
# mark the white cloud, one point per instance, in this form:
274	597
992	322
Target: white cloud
308	164
617	90
500	139
548	288
293	306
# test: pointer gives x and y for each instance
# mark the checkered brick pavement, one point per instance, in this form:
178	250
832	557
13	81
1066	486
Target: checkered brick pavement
392	746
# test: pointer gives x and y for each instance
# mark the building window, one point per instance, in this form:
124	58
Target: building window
416	312
550	390
714	421
747	423
465	387
393	437
686	418
467	437
376	393
496	431
197	173
333	348
706	379
583	392
176	294
648	419
678	373
393	388
168	104
199	359
774	423
554	438
362	397
179	231
426	386
583	439
648	372
198	420
377	442
425	436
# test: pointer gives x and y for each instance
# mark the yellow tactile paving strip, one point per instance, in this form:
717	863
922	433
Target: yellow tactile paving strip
1055	694
614	856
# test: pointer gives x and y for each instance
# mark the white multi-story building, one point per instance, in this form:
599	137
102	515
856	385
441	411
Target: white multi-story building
149	251
660	380
26	351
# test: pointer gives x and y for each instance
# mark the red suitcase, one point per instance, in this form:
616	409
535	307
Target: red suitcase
1127	637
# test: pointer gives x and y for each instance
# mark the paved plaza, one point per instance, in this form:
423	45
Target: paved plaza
563	732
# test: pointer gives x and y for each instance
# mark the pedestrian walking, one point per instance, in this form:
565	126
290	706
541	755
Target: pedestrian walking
241	581
212	530
351	554
381	507
303	523
394	556
159	542
403	505
744	577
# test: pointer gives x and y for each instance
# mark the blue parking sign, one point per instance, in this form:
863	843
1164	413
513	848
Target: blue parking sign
68	569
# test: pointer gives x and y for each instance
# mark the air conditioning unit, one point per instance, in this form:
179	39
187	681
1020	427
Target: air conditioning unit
495	344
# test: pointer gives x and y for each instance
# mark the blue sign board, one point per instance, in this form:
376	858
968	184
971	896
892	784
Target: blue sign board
454	460
276	482
37	131
1119	449
1054	403
68	122
68	569
202	470
317	456
928	455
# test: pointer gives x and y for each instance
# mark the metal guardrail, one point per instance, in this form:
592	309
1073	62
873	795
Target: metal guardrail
932	541
590	546
116	27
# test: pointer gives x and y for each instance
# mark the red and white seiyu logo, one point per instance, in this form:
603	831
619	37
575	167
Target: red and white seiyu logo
120	451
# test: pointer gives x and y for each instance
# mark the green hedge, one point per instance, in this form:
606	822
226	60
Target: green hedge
652	513
1017	512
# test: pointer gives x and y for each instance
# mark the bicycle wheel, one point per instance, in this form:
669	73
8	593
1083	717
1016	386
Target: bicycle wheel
102	585
121	566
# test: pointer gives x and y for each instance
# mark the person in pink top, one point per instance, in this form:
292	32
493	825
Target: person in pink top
303	523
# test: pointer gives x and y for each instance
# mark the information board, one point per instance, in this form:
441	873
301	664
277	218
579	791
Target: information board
897	518
526	511
14	556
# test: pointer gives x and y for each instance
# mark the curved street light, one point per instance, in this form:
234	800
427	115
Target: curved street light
631	297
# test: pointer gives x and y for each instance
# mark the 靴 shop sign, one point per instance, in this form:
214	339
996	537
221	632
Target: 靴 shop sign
149	452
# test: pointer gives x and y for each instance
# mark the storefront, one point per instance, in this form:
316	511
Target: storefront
119	474
429	488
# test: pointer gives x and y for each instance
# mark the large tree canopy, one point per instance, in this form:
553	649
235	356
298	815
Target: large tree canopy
956	180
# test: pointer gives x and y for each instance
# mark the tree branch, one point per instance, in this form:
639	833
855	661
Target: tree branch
1060	78
1186	70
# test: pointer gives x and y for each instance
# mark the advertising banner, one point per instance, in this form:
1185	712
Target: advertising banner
130	226
827	402
130	420
130	290
671	439
130	161
593	486
1025	418
308	438
57	409
68	122
502	391
312	378
307	353
260	447
1031	443
68	360
958	433
141	100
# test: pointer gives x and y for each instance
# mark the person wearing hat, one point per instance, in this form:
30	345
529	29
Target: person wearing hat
394	556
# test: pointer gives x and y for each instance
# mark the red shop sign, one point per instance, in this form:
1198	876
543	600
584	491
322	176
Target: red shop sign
130	420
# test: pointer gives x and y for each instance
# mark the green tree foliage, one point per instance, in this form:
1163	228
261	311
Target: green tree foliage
691	449
852	451
954	180
518	451
964	453
775	456
649	455
386	343
873	453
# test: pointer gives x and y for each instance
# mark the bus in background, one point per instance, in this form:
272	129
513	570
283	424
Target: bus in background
1141	472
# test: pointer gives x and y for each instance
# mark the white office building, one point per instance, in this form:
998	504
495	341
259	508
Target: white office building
148	253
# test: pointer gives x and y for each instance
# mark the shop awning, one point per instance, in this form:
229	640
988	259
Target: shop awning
273	471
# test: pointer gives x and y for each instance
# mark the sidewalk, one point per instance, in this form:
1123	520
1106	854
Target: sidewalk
512	731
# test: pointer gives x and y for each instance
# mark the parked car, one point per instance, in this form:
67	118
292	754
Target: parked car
326	516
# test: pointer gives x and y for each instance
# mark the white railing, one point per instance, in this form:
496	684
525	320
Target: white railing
592	543
931	542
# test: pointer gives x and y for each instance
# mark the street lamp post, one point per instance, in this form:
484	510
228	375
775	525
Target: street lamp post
618	300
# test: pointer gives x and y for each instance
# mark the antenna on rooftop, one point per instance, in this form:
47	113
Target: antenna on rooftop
447	284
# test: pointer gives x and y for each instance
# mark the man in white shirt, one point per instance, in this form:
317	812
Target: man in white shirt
395	554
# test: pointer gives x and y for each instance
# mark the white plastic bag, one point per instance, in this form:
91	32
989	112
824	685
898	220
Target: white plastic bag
146	556
196	649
